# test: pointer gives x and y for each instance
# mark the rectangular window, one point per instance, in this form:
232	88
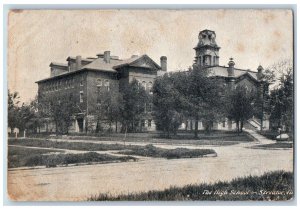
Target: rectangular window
81	96
81	81
98	95
106	84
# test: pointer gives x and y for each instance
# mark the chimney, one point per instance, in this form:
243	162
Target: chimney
163	63
107	56
78	62
259	73
230	68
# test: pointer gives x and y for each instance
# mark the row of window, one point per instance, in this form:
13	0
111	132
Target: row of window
70	83
147	86
208	60
60	85
147	108
100	82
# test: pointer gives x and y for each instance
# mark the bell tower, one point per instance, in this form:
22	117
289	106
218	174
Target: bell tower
207	50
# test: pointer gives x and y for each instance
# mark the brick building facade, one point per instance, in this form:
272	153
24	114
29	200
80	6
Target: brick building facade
84	80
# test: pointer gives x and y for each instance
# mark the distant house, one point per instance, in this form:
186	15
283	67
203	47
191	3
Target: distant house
86	79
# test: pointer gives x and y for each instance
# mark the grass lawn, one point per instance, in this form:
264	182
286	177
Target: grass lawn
19	157
67	145
215	138
278	145
270	186
152	151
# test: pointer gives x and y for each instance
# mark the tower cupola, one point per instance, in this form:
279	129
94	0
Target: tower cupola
207	50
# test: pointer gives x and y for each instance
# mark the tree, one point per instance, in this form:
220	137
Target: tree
192	94
135	99
167	102
109	109
60	109
113	109
25	115
281	97
38	118
13	109
240	106
19	116
204	97
68	109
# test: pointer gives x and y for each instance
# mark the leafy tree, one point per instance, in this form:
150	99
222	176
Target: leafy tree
38	118
204	97
13	109
240	106
19	116
68	109
109	109
135	99
190	94
281	98
60	109
167	102
25	115
261	102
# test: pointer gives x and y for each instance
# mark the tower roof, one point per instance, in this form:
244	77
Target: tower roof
207	38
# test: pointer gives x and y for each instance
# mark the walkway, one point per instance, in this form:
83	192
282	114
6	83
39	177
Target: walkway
260	138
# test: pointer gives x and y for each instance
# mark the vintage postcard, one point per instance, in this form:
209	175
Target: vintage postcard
150	105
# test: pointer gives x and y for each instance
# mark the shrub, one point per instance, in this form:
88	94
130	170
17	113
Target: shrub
152	151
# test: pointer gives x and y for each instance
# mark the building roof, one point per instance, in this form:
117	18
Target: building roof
58	64
98	64
89	59
221	71
133	60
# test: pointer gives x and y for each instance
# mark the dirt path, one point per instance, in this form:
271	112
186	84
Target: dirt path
78	183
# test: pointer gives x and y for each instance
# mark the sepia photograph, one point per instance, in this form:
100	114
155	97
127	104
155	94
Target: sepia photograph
150	105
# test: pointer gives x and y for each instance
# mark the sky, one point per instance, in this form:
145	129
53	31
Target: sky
38	37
